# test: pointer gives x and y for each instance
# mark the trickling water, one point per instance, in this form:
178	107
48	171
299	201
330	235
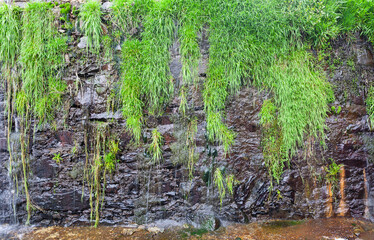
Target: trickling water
7	192
8	199
147	196
16	125
366	213
342	210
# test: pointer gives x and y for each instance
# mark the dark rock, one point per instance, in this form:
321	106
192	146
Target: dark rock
365	57
63	201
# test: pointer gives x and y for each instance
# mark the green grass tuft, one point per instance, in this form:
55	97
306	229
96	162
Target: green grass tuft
131	86
90	13
157	38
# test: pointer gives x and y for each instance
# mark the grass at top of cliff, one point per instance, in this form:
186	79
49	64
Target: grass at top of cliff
358	15
90	13
41	60
126	15
190	16
157	38
9	34
264	43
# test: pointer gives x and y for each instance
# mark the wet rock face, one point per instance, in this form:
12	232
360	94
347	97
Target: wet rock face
136	192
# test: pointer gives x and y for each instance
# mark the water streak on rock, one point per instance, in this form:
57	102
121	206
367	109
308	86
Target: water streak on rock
342	210
329	207
366	213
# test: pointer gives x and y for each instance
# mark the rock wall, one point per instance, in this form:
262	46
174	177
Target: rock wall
136	192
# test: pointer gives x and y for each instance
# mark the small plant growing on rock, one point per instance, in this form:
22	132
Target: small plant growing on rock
57	158
155	147
107	47
224	184
336	110
370	104
332	172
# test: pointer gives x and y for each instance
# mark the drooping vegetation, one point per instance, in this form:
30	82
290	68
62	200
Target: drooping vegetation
157	38
224	183
105	149
263	43
131	87
190	16
9	50
40	60
155	147
90	14
370	104
37	92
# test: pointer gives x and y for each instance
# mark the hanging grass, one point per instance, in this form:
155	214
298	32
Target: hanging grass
104	159
41	60
190	16
145	77
301	94
155	149
370	104
41	88
131	86
90	13
157	38
9	35
271	141
9	49
264	43
126	15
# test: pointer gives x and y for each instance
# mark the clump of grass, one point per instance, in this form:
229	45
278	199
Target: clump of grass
90	13
271	141
224	183
41	88
356	15
370	104
190	20
9	49
155	147
127	14
105	149
9	35
261	43
131	86
157	38
332	171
